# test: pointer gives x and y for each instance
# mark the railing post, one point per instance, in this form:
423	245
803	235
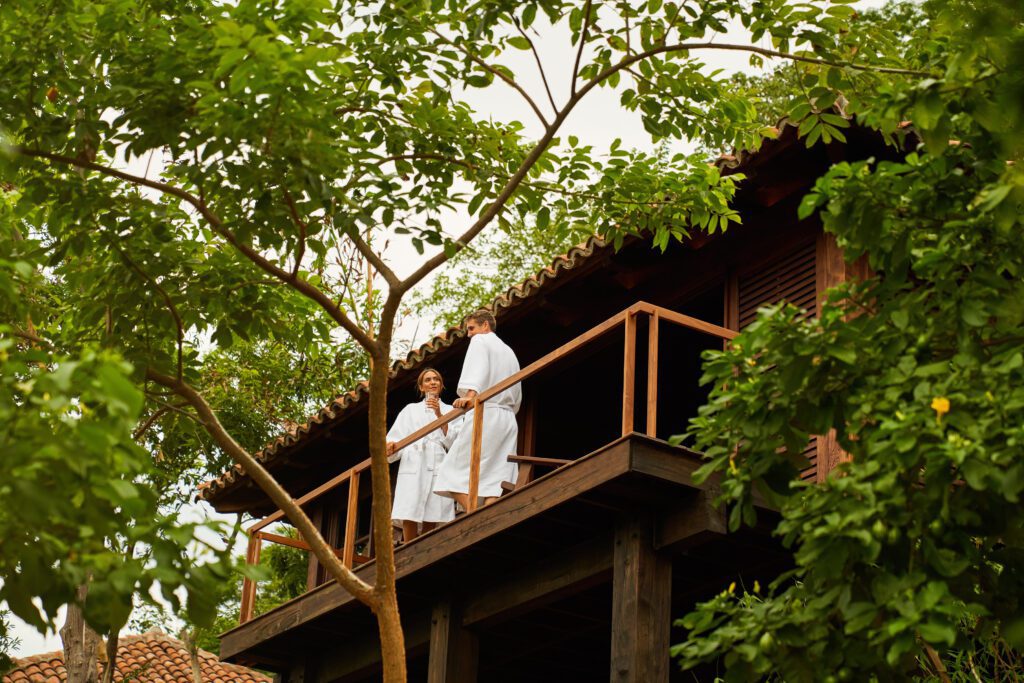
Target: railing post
474	455
652	376
348	553
628	373
252	556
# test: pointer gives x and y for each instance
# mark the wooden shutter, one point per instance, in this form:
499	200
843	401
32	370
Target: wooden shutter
789	276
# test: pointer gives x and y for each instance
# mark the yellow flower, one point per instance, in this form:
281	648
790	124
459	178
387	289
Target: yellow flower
757	587
732	588
940	404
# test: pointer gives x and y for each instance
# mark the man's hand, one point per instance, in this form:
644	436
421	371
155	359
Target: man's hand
390	448
467	401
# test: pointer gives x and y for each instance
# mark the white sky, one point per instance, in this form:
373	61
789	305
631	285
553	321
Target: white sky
597	121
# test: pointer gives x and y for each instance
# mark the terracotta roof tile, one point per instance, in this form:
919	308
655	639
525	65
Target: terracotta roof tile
152	657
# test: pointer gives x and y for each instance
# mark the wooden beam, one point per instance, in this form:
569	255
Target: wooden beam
695	324
628	374
695	521
546	581
641	605
357	657
534	460
454	650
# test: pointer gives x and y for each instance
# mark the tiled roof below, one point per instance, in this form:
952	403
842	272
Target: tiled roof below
152	657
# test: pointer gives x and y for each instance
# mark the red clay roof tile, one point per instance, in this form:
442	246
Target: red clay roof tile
152	657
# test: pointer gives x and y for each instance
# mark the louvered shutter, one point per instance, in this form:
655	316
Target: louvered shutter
791	277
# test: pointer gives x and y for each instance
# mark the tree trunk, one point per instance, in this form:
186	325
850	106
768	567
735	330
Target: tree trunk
189	638
392	639
110	665
81	643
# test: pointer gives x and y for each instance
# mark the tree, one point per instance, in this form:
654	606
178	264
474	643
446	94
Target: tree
284	130
495	262
908	561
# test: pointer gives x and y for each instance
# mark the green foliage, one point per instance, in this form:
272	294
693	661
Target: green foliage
918	542
264	141
73	484
495	262
7	643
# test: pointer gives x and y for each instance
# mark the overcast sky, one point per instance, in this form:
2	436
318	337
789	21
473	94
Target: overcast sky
597	121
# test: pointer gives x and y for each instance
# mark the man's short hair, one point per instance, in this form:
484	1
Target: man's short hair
483	316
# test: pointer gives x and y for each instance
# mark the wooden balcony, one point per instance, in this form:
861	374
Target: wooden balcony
593	546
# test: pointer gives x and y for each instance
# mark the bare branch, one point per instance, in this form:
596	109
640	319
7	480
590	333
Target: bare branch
167	302
373	259
540	66
301	225
300	285
583	42
30	336
683	47
151	420
345	577
487	67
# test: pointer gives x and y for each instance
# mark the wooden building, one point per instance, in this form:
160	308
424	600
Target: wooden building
578	571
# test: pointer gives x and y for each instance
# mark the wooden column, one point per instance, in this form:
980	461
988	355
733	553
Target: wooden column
454	650
314	570
248	602
831	269
628	373
474	455
652	376
641	605
351	518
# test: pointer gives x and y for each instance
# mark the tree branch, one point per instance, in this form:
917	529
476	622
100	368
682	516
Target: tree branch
540	66
300	285
487	67
301	225
167	301
345	577
30	336
151	420
682	47
579	53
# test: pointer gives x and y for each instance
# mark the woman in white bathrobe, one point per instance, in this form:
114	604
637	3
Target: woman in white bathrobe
415	502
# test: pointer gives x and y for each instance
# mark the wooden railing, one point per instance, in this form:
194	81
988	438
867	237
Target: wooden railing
627	319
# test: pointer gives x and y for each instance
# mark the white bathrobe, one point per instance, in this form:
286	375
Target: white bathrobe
488	361
414	499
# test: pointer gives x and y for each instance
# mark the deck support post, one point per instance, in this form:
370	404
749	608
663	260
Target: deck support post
641	605
454	649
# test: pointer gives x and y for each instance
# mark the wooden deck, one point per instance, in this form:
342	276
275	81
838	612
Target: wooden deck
565	534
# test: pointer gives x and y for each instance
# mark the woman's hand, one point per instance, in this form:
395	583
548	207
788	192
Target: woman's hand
434	403
390	448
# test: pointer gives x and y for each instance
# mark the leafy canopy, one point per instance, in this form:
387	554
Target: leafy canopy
915	547
182	178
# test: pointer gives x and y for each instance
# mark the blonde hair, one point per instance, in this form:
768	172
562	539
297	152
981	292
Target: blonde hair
423	373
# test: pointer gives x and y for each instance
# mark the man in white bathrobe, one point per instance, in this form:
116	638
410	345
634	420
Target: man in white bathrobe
488	361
